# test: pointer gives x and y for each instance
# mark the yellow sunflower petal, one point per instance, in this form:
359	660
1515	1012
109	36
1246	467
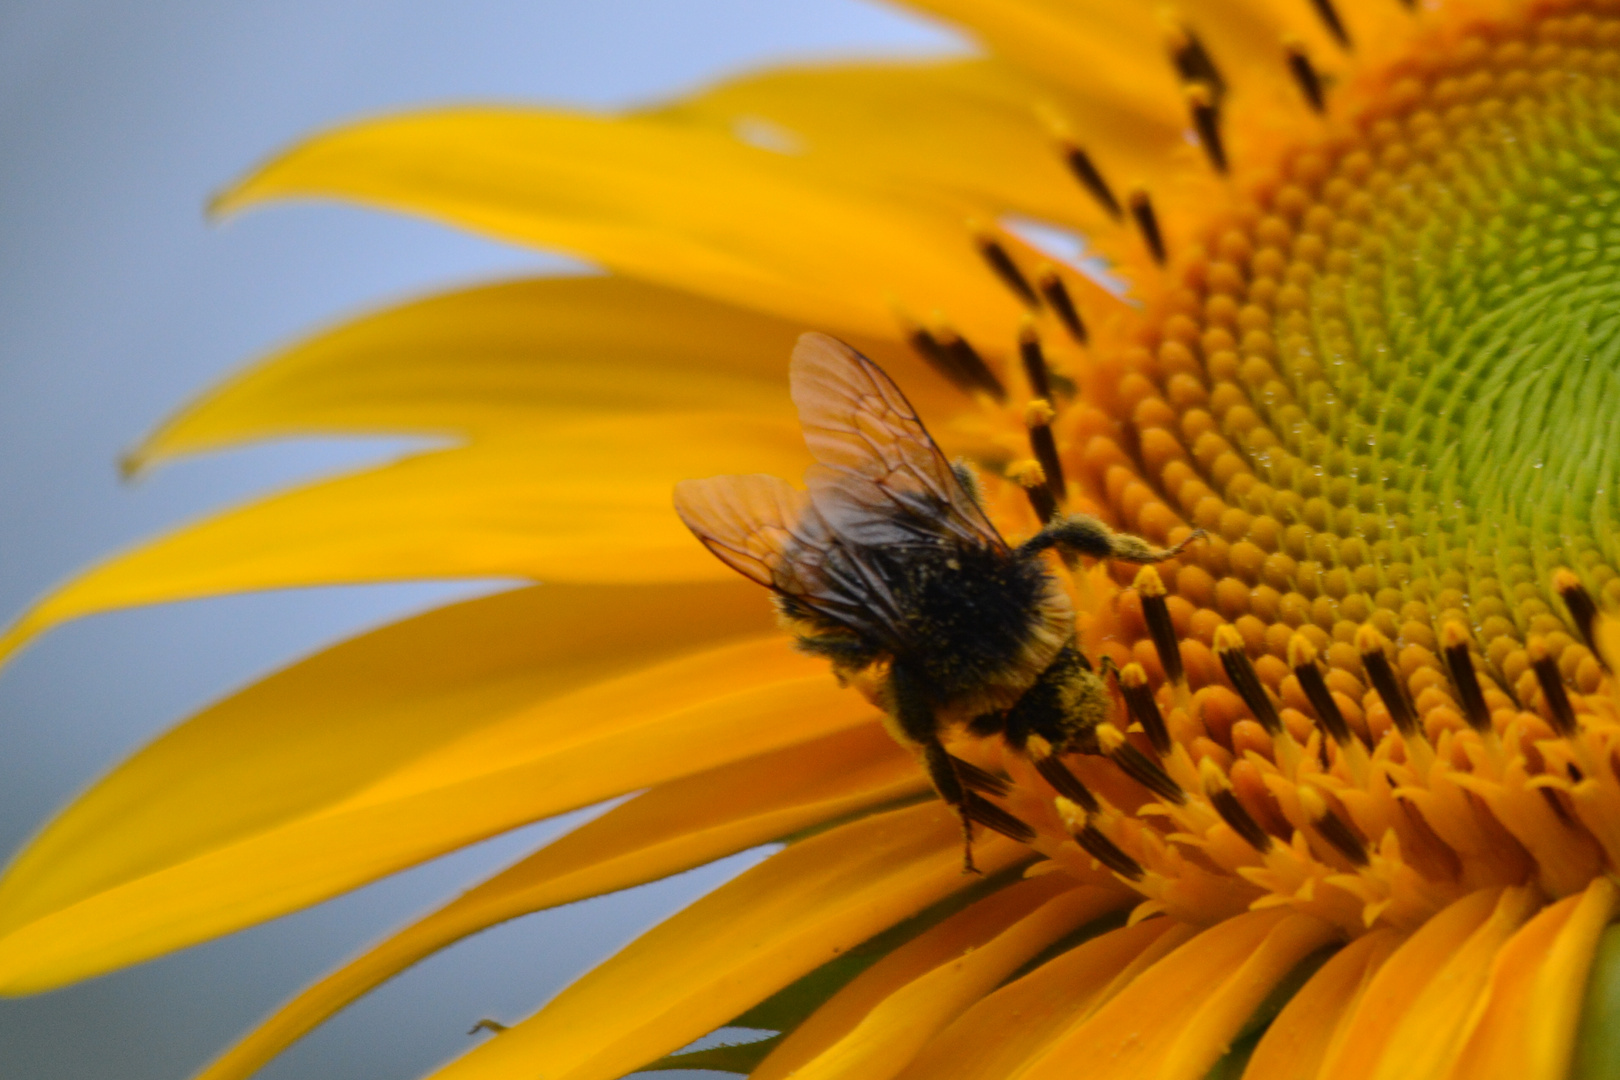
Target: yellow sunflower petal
708	963
1295	1044
1524	1026
673	827
890	1035
1177	1018
505	359
552	754
584	501
1007	1028
663	202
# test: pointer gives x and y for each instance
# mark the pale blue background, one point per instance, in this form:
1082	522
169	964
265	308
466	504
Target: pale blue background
117	119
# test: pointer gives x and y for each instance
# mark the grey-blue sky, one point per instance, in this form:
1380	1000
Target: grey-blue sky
117	301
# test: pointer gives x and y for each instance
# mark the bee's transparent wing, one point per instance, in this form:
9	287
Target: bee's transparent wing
747	521
881	479
771	533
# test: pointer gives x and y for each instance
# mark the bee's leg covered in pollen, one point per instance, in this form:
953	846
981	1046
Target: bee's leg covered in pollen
1082	534
914	716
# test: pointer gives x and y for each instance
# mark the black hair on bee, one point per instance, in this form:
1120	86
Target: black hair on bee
887	566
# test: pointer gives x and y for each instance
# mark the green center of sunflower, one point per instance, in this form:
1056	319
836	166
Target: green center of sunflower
1412	348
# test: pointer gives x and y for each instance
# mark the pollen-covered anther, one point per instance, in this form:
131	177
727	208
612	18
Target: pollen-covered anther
1206	121
1099	847
1374	650
1034	361
1234	657
1150	590
1038	415
1137	765
1460	666
1143	706
1091	178
1583	610
1559	709
1218	789
1028	474
995	253
1056	295
1054	772
965	359
1302	658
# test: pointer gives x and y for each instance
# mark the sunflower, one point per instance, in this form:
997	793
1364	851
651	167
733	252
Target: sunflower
1353	807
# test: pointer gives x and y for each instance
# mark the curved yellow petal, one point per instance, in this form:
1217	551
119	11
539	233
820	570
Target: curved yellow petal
1524	1026
706	964
1394	991
1297	1041
664	202
1176	1019
528	762
1007	1028
583	501
940	945
503	360
889	1036
675	826
1429	1035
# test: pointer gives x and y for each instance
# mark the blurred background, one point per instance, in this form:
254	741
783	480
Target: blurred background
118	301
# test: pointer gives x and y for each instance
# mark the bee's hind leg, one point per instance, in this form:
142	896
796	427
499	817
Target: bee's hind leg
914	717
1082	534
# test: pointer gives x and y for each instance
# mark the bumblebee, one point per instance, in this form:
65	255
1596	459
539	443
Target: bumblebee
887	566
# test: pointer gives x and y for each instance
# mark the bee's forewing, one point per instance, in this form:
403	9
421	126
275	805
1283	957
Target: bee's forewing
747	521
857	422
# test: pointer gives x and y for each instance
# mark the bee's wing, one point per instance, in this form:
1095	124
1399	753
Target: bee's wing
747	521
882	479
770	532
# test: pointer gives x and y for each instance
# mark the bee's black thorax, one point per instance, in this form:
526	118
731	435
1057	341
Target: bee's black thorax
964	616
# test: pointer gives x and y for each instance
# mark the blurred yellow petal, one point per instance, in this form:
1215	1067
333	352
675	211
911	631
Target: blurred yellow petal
1296	1043
549	755
1177	1018
668	203
580	501
506	360
758	933
675	826
890	1035
1008	1027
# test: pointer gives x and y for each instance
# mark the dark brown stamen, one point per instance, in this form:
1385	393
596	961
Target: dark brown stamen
1241	822
979	779
1139	700
1302	658
1156	613
1105	851
1308	79
1206	120
986	813
1138	766
1005	269
1330	18
1038	417
1375	661
1235	659
929	348
1029	351
1085	171
1064	782
1193	62
1582	608
1559	709
966	359
1334	829
1147	222
1460	665
1056	295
